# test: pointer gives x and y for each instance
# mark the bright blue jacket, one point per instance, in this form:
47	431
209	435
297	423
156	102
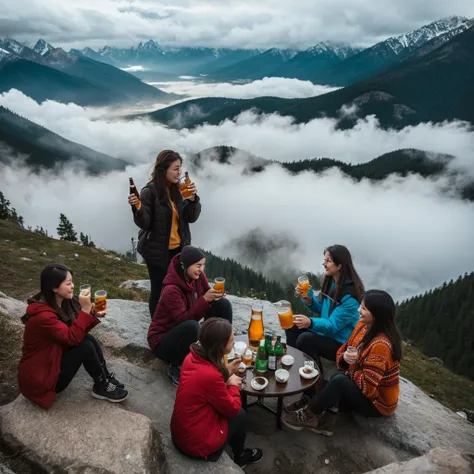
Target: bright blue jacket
342	320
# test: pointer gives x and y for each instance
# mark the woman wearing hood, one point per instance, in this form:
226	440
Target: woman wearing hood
56	342
186	298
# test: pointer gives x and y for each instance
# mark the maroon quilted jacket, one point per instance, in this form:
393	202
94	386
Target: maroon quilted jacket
180	301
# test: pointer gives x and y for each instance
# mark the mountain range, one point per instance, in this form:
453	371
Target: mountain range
44	72
45	149
435	86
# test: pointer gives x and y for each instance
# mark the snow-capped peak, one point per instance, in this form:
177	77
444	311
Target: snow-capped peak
12	46
4	53
41	47
341	50
418	37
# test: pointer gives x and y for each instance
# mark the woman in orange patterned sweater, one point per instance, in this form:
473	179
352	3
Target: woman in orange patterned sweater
370	382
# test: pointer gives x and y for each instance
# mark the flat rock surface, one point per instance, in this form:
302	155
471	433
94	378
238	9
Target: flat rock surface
421	424
437	461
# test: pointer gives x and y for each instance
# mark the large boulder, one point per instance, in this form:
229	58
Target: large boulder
12	307
5	470
420	424
81	434
437	461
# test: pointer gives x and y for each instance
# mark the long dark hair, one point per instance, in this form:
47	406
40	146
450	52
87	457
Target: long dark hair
340	255
382	307
213	336
158	176
51	277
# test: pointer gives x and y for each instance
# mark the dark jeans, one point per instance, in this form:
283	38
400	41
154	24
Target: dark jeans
89	353
157	275
313	344
342	391
174	345
237	430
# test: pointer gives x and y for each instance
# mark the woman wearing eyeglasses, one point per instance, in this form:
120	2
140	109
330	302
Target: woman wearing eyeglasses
337	306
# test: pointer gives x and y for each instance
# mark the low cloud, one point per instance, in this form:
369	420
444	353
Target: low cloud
406	234
268	86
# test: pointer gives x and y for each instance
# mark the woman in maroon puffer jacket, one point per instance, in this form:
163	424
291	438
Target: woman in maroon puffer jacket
186	298
208	410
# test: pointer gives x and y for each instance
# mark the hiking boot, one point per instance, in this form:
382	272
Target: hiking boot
298	420
105	390
174	372
249	456
111	376
303	402
326	424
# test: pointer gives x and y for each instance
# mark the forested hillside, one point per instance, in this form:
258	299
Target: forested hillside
441	322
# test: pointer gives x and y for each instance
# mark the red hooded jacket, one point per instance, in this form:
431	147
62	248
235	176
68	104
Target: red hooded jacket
180	301
204	404
45	339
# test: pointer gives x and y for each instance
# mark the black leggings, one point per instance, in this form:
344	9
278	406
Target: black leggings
313	344
157	274
341	391
89	353
174	345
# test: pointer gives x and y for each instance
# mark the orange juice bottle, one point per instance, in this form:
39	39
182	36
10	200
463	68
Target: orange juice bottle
256	331
184	186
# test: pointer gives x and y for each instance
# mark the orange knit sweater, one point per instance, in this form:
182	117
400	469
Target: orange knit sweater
376	373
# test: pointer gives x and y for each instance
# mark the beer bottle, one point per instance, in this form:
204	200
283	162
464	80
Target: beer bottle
256	326
271	358
133	190
184	186
279	349
268	343
262	359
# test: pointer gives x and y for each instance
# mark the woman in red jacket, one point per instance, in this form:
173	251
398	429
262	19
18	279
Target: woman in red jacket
208	410
186	298
56	342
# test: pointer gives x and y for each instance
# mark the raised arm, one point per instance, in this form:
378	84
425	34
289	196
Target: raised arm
192	209
224	398
175	305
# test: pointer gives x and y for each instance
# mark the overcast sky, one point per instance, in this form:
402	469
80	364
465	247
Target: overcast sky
230	23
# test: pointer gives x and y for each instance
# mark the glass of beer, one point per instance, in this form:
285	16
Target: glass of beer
285	313
85	290
100	300
303	283
219	284
247	358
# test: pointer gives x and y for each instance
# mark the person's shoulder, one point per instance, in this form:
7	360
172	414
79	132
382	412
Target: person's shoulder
380	344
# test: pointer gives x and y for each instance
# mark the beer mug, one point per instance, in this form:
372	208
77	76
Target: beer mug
285	314
219	284
100	300
85	290
303	284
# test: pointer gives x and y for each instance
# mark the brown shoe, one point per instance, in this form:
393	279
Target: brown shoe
302	403
326	424
298	420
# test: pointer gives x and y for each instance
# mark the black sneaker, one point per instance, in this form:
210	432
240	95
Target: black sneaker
111	378
104	390
250	456
174	373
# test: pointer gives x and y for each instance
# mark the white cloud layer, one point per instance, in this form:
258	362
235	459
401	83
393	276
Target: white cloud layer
406	235
268	86
234	23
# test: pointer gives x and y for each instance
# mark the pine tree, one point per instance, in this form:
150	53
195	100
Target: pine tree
86	240
7	212
66	230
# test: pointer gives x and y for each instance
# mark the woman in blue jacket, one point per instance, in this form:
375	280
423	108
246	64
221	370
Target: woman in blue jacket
337	304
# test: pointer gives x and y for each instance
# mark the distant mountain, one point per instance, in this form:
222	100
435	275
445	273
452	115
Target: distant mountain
384	54
435	87
164	59
315	60
45	72
45	149
256	67
442	322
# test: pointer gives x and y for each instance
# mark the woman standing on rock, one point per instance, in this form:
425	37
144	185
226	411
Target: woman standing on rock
163	217
56	342
208	410
371	361
186	299
337	305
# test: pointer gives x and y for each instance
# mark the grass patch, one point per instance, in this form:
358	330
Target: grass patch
454	391
25	253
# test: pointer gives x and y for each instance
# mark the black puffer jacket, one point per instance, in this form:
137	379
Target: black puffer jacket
154	220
